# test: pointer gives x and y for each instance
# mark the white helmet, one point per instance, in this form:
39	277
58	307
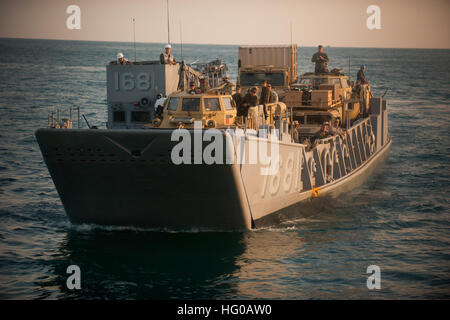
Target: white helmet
168	46
119	55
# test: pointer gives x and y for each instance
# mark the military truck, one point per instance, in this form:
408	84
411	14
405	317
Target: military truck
319	98
276	64
183	109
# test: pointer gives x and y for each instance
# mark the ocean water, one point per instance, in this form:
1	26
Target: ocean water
399	220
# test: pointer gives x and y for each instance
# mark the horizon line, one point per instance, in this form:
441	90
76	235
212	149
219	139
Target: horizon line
223	44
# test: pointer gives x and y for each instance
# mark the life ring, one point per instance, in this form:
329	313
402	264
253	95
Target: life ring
315	192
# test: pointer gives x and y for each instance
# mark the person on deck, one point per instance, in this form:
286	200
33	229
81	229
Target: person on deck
227	87
121	60
361	76
159	104
167	57
250	100
321	60
192	89
238	97
273	94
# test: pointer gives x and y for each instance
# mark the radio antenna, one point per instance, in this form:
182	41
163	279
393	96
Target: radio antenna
134	40
349	71
181	40
291	33
168	24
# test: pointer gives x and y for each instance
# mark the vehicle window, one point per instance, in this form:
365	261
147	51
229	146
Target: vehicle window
140	116
317	119
173	104
300	119
344	83
119	116
256	79
317	82
305	81
211	104
190	104
227	103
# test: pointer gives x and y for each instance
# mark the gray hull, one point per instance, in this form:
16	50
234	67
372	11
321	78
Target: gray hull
307	204
126	177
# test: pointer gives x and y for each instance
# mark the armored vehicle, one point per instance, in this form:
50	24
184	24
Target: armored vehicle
183	109
318	98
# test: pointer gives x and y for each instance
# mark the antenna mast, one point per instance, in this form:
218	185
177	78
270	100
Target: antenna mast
134	40
168	24
291	33
348	67
181	40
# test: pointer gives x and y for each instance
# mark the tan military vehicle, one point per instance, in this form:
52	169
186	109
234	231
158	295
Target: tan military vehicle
182	109
319	98
215	110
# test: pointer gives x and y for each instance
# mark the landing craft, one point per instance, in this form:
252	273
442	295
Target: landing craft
124	174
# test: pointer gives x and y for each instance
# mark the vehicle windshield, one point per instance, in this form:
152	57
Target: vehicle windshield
211	104
317	119
173	104
304	81
256	79
190	104
227	103
318	81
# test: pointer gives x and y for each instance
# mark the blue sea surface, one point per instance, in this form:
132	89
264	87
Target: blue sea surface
399	220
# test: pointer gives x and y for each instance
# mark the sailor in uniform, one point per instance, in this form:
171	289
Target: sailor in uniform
121	59
159	104
166	57
321	60
361	76
227	86
238	97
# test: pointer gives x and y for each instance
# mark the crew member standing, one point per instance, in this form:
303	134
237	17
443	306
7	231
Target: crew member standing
250	100
238	97
159	104
273	94
361	76
167	57
203	85
264	98
321	60
227	87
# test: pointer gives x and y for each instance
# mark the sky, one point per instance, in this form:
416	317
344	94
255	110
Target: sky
340	23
